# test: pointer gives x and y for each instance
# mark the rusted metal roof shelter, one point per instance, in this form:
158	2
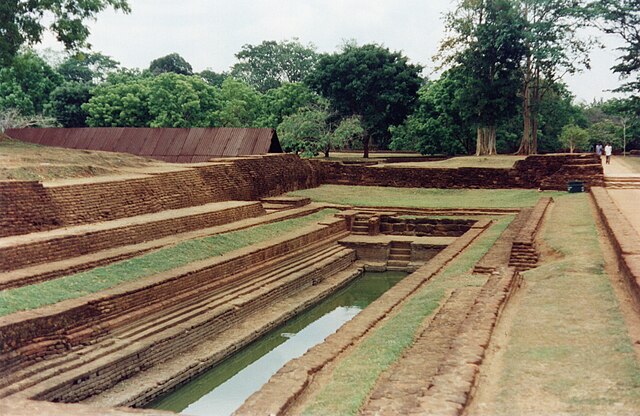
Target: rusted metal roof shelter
181	145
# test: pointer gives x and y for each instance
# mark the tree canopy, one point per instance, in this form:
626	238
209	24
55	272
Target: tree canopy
371	82
22	22
270	64
170	63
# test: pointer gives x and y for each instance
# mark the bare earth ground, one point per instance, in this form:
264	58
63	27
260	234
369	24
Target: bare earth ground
562	346
55	165
496	161
627	200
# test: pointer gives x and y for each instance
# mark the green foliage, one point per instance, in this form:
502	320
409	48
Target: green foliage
181	254
435	127
66	101
283	101
270	64
180	101
22	22
574	138
87	67
119	105
236	104
371	82
171	63
313	129
622	17
27	83
213	78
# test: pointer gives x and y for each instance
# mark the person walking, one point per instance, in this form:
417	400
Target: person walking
607	153
599	151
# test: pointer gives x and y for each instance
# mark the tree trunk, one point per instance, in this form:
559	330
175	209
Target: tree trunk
526	141
537	97
486	141
365	145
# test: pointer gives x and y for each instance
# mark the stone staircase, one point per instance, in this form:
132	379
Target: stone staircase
399	255
523	256
132	346
361	223
622	182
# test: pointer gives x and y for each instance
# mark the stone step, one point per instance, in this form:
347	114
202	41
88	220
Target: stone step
170	319
397	263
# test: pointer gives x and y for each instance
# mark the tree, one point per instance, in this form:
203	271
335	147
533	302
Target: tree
283	101
312	130
370	82
171	63
66	101
27	83
213	78
11	118
270	64
180	101
488	40
87	67
236	104
574	137
553	49
622	17
120	104
23	22
436	125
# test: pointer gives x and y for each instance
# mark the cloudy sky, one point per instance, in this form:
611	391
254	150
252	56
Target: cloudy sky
208	33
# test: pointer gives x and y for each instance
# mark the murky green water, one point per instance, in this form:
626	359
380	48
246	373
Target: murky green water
225	387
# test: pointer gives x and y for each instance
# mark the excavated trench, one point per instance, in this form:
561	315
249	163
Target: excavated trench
221	390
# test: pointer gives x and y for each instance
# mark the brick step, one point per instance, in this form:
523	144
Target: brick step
483	270
397	263
47	271
399	250
180	299
21	251
169	321
401	257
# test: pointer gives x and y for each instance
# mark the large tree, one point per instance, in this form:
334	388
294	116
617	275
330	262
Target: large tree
371	82
23	22
487	38
171	63
622	17
554	49
270	64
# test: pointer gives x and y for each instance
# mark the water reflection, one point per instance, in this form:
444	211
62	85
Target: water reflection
225	387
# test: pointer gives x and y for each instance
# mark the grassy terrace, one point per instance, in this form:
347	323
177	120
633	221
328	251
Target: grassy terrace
355	376
181	254
569	351
370	196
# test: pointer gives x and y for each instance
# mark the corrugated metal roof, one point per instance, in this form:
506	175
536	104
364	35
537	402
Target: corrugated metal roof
181	145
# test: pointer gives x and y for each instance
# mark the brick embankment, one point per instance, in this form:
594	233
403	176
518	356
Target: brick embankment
295	377
54	269
44	247
30	207
31	336
550	171
524	255
40	408
180	323
624	238
498	255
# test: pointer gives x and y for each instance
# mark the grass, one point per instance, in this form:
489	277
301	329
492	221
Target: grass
568	351
355	376
181	254
497	161
372	196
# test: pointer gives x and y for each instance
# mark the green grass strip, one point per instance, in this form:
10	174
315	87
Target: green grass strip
425	198
355	376
181	254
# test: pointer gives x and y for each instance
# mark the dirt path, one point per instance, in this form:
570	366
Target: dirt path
562	346
627	200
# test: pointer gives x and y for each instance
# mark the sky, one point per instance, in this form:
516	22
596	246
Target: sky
208	33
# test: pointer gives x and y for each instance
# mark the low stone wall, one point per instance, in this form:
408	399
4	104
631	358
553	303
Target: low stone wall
440	227
624	238
30	336
556	170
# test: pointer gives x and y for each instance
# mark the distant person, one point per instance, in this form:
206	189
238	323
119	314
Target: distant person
607	153
599	151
